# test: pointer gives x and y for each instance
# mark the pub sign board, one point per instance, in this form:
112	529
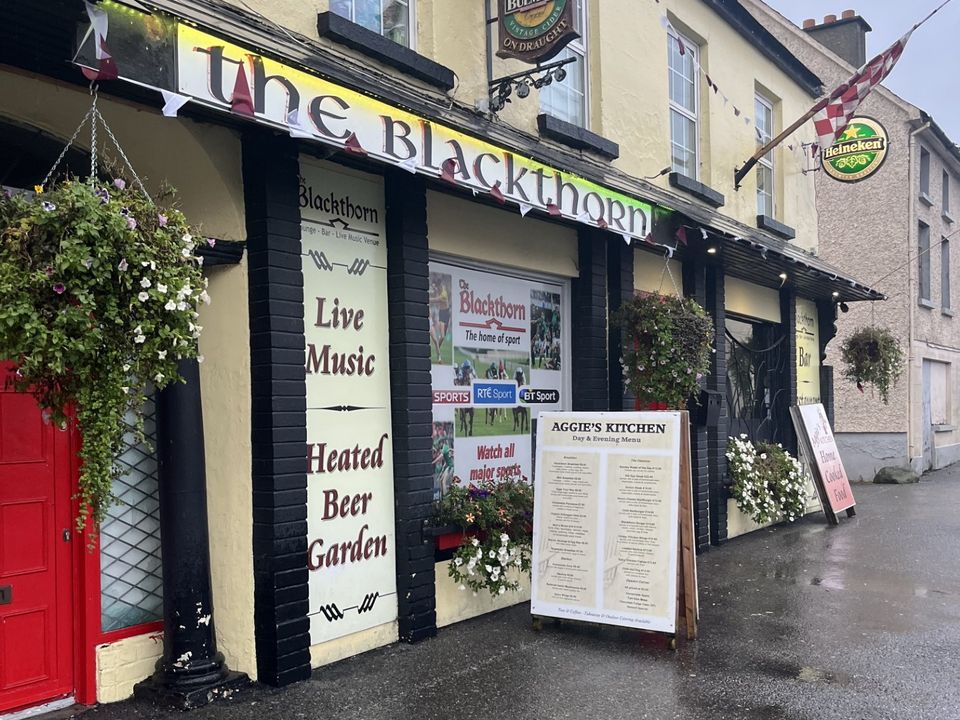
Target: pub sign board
858	153
536	30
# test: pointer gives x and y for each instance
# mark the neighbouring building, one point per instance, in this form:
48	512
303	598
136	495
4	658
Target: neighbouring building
382	239
891	223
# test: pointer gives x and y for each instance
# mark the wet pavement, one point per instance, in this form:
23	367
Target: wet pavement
800	622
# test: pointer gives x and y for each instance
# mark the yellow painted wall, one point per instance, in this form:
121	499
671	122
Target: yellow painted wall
225	382
454	604
652	273
122	664
756	301
350	645
469	230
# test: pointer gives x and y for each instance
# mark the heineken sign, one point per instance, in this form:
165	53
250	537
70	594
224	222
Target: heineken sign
859	151
535	30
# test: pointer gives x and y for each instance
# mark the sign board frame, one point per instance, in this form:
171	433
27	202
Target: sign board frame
577	463
535	31
817	444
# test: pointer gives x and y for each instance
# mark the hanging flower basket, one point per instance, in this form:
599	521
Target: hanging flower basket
872	356
100	288
667	345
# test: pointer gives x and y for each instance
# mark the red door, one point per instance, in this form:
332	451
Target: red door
36	633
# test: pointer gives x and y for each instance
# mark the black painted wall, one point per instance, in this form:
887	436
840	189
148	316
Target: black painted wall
619	291
788	319
408	287
279	435
591	383
717	380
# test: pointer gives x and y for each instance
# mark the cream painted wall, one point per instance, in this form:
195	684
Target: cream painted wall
470	230
124	663
225	380
350	645
650	273
202	161
454	604
756	301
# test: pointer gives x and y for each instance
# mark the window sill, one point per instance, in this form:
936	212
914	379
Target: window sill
948	312
696	188
576	137
926	199
924	303
765	222
342	31
947	216
944	428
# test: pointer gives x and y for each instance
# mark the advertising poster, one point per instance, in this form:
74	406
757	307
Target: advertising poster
497	360
350	508
808	353
814	428
605	530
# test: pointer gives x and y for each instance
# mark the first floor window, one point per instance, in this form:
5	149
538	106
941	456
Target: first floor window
684	104
945	274
923	258
763	114
567	100
390	18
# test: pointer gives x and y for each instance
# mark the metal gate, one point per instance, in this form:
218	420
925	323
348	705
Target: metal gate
758	360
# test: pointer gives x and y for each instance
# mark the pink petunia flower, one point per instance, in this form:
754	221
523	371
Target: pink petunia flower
59	288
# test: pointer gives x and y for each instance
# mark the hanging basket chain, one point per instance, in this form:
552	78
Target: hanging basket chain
96	118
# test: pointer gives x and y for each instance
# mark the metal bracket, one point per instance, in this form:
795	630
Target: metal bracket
6	594
502	88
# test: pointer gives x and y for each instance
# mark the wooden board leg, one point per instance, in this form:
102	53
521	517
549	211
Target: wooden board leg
851	512
537	623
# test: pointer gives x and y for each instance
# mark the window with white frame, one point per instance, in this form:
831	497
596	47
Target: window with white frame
923	259
945	194
684	104
945	274
924	173
568	100
763	118
390	18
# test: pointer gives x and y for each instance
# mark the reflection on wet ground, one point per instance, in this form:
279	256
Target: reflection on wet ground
797	623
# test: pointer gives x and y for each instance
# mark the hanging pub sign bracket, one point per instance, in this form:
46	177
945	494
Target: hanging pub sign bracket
502	88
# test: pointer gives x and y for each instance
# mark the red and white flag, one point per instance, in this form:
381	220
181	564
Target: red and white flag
834	113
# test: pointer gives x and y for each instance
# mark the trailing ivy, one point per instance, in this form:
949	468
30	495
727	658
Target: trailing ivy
872	356
100	290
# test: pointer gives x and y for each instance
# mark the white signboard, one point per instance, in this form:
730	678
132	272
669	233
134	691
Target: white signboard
498	358
350	508
808	353
606	508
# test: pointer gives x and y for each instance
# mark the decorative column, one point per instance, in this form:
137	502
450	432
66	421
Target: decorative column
191	672
591	388
619	291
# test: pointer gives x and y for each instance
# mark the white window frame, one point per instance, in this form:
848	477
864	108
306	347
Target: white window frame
924	172
694	48
767	161
411	15
581	48
946	290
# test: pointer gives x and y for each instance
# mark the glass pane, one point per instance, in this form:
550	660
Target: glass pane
130	566
396	21
367	13
343	8
765	191
565	100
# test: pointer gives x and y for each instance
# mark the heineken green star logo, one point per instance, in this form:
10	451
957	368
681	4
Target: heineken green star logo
859	151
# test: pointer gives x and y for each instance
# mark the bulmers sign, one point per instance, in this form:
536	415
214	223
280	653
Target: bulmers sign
535	30
858	153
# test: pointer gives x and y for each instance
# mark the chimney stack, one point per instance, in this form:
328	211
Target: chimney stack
846	36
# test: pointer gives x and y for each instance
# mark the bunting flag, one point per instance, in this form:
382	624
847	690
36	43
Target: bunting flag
524	209
447	170
172	102
410	165
497	194
834	112
682	236
626	238
99	27
241	103
352	145
553	209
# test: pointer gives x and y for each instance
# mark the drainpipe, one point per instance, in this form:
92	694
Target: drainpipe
191	672
911	297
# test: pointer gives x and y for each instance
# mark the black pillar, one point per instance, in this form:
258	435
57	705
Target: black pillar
408	286
788	323
717	381
695	287
591	390
619	291
191	672
271	192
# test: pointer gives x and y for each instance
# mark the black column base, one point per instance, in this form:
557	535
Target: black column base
191	686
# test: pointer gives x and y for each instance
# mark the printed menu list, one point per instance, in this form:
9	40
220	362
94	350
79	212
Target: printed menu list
605	521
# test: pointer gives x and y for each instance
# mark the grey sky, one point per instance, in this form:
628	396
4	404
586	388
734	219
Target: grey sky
928	74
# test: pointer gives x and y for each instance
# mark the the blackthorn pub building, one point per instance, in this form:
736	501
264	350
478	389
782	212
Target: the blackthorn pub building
384	243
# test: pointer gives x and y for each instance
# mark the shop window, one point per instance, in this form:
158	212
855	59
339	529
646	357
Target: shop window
757	356
130	568
763	114
923	260
945	274
390	18
568	100
924	174
684	105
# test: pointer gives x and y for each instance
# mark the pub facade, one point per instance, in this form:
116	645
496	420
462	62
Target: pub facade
389	233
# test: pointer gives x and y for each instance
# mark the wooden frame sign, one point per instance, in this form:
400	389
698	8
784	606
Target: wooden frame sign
820	448
613	521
